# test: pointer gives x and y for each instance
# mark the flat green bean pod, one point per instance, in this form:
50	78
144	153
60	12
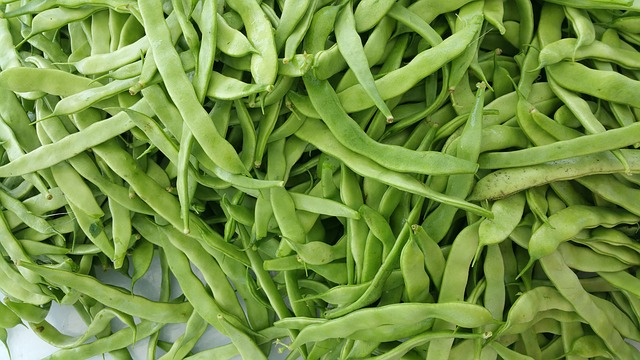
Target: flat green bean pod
465	315
392	157
423	65
507	181
113	297
320	136
566	223
320	178
613	139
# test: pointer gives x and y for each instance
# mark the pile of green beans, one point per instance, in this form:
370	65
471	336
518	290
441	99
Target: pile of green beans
330	179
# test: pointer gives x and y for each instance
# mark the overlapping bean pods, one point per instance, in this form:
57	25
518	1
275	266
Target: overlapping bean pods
322	179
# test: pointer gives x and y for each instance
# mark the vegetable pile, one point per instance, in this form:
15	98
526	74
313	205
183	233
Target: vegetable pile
333	179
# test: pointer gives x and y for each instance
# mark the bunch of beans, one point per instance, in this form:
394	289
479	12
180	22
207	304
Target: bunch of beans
326	179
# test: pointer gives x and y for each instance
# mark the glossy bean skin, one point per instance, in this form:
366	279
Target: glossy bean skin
312	133
351	49
561	50
567	223
187	102
330	328
345	130
264	62
68	147
507	215
398	81
565	74
454	281
507	181
115	298
556	151
563	278
468	148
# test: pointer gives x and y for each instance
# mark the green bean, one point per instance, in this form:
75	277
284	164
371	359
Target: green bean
19	209
260	33
94	230
292	14
309	215
525	11
412	265
184	182
227	88
421	66
231	41
495	293
468	148
75	190
284	212
428	11
582	26
556	130
346	131
246	346
247	155
557	51
508	181
99	322
588	144
322	206
321	137
164	203
622	280
466	315
461	64
111	296
217	148
613	237
565	73
351	195
29	312
118	340
379	228
434	259
121	230
351	49
454	282
68	147
265	129
195	328
16	253
529	307
89	171
38	205
589	346
9	319
507	215
100	63
55	18
422	339
622	322
611	189
568	222
204	304
10	58
585	259
493	11
59	82
567	283
369	13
